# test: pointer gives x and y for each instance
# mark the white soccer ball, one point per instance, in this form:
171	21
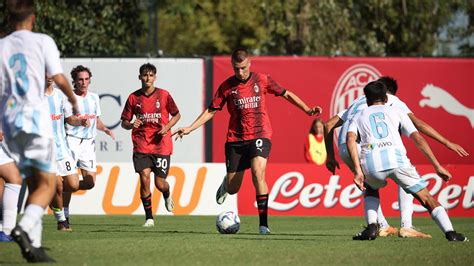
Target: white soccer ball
228	222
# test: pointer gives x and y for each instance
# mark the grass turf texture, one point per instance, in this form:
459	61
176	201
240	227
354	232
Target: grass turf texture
191	240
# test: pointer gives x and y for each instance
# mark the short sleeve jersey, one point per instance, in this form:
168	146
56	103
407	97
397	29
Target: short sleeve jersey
246	104
381	144
359	105
57	102
154	111
89	107
25	59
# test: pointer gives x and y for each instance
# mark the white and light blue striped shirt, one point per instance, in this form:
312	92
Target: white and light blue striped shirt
26	58
380	141
89	107
359	105
57	102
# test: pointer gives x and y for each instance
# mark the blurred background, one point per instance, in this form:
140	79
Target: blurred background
185	28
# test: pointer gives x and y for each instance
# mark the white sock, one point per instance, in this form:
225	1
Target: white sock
33	215
381	218
405	201
59	215
441	218
10	206
66	212
35	235
371	204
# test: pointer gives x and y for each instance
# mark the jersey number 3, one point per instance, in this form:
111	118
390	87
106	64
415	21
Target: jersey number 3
21	80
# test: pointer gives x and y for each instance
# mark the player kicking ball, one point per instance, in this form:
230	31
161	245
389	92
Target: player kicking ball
151	136
383	156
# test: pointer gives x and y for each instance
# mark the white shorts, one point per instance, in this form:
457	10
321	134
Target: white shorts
83	152
406	177
66	166
4	158
346	157
32	151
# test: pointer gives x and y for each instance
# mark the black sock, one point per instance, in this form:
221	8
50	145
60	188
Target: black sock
146	201
166	194
262	205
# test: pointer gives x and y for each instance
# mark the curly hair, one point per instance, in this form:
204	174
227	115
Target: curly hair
80	68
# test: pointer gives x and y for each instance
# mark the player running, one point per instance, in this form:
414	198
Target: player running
81	139
405	199
151	136
383	156
67	177
26	57
248	138
10	186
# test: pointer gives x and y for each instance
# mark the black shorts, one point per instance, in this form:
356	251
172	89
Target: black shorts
239	154
159	164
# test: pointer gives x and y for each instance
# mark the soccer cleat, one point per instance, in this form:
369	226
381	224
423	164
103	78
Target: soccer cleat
4	237
369	233
221	194
30	253
149	223
412	232
454	236
387	231
64	226
169	204
264	230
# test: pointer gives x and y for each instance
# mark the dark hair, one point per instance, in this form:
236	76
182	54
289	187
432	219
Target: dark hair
145	68
19	10
315	121
390	83
239	55
75	71
375	91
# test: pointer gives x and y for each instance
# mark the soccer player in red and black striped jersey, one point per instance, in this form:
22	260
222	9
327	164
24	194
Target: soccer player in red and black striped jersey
151	136
249	135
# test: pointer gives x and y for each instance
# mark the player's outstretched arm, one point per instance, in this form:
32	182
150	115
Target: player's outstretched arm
64	86
424	147
428	130
352	147
170	124
295	100
205	116
103	128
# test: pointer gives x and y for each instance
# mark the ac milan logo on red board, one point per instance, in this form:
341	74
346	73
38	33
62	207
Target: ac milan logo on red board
350	86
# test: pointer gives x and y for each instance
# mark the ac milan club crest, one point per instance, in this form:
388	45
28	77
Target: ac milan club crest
256	88
157	104
350	86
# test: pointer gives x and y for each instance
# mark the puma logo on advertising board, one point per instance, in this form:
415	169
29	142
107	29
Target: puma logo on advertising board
436	97
350	86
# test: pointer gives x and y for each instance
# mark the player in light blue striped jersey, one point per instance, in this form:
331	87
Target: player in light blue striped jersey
81	139
383	155
67	177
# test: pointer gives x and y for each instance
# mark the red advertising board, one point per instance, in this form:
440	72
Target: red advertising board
437	90
304	189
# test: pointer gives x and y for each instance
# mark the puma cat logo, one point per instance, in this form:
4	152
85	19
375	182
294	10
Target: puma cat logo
436	97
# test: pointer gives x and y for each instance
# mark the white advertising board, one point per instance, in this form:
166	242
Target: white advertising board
115	78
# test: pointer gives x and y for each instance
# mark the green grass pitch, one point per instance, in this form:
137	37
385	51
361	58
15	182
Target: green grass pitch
193	240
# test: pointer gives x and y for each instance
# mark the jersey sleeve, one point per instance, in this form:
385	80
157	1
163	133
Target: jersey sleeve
342	115
218	101
171	106
407	126
402	106
97	100
274	88
353	124
51	55
127	113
